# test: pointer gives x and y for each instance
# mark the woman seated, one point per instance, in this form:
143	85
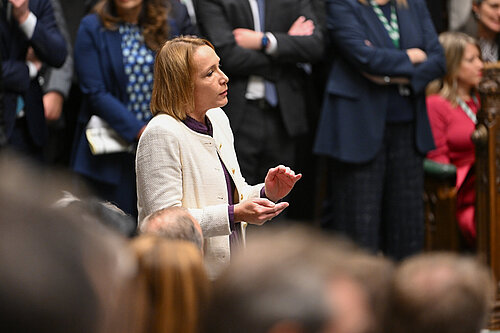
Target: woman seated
452	105
186	155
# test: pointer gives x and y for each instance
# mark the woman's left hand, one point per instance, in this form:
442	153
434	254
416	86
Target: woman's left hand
279	182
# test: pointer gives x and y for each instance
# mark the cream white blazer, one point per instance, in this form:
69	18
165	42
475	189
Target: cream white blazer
177	166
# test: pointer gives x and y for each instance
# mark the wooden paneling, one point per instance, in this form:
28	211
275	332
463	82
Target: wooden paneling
441	227
487	140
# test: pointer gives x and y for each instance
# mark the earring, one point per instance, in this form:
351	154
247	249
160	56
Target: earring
477	16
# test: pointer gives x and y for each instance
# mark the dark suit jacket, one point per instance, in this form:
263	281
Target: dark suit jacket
99	66
50	48
218	18
353	118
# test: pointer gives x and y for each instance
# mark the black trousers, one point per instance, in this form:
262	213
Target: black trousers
379	204
21	141
262	142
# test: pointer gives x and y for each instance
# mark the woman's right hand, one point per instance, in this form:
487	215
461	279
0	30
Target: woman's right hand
257	211
416	55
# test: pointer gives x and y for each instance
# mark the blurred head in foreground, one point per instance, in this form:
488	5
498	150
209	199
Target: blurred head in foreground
58	273
173	284
173	223
296	280
441	293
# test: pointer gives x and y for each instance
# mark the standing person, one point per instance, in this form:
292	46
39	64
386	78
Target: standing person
114	55
452	106
186	156
30	36
263	46
374	125
56	85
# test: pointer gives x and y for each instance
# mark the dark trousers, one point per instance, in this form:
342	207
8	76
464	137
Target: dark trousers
20	140
262	142
379	204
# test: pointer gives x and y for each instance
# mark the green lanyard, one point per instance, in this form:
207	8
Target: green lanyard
392	28
465	108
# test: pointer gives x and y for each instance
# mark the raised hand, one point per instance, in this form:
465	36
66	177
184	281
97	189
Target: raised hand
279	182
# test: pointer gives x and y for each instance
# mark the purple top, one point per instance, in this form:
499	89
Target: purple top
208	130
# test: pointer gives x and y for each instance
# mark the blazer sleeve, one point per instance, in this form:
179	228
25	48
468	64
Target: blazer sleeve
292	49
437	109
214	23
435	65
94	78
15	76
183	23
47	42
159	182
59	79
348	33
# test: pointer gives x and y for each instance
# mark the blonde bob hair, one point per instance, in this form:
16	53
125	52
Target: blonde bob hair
173	86
454	44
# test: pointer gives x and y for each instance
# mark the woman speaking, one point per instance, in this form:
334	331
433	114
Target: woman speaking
186	156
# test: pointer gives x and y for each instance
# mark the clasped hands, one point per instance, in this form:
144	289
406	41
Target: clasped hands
278	183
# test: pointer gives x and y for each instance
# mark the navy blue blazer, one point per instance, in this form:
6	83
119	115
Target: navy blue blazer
50	48
352	122
100	70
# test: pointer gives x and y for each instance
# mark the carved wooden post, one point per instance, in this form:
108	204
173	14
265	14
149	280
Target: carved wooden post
487	140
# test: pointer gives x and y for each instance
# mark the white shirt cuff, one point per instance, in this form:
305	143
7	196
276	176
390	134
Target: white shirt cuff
272	48
28	27
32	69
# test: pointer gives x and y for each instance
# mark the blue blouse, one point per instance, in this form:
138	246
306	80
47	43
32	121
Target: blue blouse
138	61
